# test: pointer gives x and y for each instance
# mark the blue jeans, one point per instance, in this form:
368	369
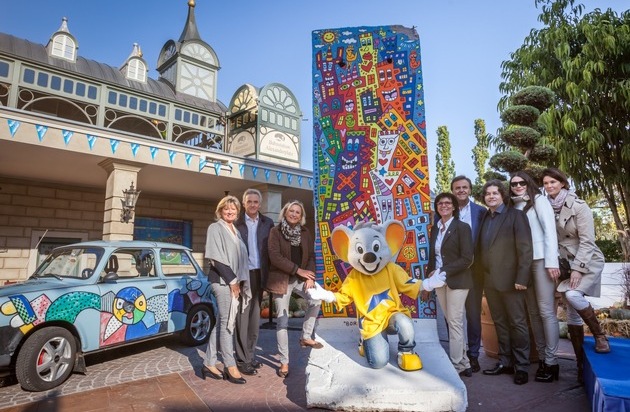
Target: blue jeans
377	347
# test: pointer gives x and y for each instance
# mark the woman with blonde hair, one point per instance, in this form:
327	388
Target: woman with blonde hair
292	270
229	274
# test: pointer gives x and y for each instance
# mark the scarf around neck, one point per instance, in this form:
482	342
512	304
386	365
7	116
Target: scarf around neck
291	233
558	202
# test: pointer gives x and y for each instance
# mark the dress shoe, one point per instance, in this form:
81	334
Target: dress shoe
247	369
205	371
310	343
283	372
548	374
521	378
474	364
256	365
228	377
466	372
499	369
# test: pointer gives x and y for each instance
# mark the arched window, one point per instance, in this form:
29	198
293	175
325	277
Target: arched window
137	70
64	47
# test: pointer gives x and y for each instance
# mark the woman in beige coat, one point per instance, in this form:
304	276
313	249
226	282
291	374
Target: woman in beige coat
576	242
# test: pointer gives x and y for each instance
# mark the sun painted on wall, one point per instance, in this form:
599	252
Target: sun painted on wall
370	148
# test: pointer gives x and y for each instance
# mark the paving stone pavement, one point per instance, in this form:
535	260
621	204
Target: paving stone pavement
163	375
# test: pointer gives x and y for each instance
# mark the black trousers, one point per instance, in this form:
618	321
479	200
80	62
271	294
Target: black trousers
248	321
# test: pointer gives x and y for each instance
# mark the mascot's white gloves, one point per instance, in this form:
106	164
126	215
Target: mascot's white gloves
319	293
436	281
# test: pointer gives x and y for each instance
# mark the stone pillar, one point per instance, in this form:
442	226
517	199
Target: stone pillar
120	175
272	201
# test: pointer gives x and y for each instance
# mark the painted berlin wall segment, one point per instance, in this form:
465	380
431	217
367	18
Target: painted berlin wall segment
370	148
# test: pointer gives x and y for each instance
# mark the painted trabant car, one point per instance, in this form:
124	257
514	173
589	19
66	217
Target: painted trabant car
92	296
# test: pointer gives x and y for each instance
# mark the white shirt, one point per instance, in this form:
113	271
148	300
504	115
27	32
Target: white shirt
252	241
465	214
438	241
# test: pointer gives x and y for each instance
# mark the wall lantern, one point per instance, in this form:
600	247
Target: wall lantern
128	203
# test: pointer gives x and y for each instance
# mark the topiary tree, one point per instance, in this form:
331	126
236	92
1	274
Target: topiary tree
520	143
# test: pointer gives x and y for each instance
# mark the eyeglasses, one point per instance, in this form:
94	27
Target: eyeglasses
445	204
519	183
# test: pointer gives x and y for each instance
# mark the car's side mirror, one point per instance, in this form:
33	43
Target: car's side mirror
110	277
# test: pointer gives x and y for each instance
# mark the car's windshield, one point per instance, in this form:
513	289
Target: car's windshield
70	263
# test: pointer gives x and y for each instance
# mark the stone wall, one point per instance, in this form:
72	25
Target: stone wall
28	209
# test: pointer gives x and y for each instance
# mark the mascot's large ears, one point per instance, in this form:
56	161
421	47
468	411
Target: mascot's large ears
341	241
395	235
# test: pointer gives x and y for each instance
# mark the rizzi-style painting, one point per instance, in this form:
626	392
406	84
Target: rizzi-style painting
370	148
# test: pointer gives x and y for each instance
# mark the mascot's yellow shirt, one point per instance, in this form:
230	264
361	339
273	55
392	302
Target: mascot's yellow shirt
376	296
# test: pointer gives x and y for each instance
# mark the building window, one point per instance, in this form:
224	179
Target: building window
137	70
55	83
68	86
63	46
80	89
4	69
42	79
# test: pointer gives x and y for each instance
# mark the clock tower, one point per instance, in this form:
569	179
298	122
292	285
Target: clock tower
190	65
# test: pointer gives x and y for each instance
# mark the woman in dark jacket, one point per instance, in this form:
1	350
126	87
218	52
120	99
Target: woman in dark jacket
451	252
292	270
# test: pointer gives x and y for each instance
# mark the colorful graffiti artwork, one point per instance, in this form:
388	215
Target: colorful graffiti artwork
370	148
124	316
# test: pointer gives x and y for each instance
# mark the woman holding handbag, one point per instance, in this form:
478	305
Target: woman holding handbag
576	242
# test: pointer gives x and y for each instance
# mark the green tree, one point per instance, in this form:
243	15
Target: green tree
444	164
521	141
583	58
480	153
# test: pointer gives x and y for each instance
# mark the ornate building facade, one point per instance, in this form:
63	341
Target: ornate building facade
75	134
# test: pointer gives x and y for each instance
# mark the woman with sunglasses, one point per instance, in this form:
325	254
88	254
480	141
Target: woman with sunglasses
576	242
526	196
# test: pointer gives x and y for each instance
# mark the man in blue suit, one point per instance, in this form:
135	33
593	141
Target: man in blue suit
471	213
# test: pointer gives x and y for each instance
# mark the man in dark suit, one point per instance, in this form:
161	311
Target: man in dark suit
504	256
471	213
254	228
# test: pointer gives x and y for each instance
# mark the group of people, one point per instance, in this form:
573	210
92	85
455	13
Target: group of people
247	254
510	252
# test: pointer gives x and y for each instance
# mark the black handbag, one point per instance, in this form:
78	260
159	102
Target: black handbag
565	269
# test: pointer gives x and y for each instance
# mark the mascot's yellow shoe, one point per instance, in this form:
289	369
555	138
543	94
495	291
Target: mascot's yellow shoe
409	361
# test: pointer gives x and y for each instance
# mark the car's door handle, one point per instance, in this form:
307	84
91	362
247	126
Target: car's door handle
159	287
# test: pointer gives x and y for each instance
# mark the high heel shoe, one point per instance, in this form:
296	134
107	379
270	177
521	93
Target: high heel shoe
228	377
205	371
548	374
283	373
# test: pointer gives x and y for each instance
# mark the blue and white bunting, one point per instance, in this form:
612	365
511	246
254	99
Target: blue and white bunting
114	145
202	163
171	155
254	171
289	177
266	174
41	131
241	169
134	149
188	158
279	176
310	182
154	151
91	140
67	135
13	126
300	180
217	168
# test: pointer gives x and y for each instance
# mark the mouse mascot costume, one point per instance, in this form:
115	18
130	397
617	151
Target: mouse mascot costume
374	285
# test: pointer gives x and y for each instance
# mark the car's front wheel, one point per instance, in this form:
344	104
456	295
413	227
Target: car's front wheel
199	323
46	359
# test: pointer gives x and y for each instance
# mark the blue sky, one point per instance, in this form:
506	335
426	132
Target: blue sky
259	42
